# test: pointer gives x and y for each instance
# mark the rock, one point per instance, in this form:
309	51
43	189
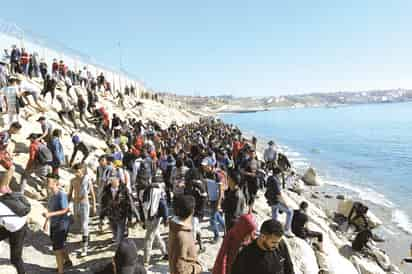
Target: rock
298	187
345	206
310	178
314	196
302	255
327	196
340	197
334	264
7	269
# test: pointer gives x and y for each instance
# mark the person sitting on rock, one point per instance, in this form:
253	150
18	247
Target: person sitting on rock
299	225
358	211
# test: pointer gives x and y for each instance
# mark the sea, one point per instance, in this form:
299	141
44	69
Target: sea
362	151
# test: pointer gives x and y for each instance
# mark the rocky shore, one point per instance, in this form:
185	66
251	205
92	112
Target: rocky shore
336	258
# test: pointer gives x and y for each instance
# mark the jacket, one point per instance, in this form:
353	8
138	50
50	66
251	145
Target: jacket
119	208
182	249
246	225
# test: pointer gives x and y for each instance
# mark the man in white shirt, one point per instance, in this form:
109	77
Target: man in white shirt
29	89
13	228
270	155
10	94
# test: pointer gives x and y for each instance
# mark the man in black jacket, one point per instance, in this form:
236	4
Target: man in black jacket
118	206
266	255
234	203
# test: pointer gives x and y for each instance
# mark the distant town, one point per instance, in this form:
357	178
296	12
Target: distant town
228	103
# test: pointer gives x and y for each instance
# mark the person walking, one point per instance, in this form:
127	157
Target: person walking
58	221
182	248
81	187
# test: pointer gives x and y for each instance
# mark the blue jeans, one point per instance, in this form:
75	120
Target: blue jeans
118	229
216	219
288	211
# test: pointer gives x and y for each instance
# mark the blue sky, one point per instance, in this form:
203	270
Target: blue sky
236	47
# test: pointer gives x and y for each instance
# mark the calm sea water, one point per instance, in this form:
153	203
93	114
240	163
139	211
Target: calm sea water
366	149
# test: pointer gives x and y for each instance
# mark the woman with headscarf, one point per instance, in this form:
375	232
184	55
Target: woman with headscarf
242	232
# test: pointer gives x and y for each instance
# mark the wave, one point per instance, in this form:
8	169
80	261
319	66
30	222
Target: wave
366	194
402	221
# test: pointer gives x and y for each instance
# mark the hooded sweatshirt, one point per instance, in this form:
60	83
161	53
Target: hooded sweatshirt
231	244
182	249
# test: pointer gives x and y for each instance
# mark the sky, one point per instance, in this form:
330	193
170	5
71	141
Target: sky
242	48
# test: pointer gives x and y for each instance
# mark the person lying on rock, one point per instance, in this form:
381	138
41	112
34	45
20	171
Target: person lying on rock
299	225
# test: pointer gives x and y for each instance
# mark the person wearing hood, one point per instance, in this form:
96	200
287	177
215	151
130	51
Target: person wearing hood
182	250
242	232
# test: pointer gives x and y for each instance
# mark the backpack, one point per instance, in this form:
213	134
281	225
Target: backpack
17	203
144	173
44	155
270	193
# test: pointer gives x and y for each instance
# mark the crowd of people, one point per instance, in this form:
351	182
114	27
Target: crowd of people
178	177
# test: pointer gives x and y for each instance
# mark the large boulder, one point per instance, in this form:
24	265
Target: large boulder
7	269
345	206
302	255
310	178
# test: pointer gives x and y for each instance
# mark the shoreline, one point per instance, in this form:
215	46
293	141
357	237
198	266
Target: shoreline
396	244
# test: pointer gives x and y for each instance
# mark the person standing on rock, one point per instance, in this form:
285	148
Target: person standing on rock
13	216
10	94
182	248
80	188
6	159
46	129
270	156
275	200
156	212
248	169
56	148
58	220
118	206
266	255
39	161
234	203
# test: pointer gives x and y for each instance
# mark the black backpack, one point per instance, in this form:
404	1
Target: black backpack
44	155
143	174
270	194
17	203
